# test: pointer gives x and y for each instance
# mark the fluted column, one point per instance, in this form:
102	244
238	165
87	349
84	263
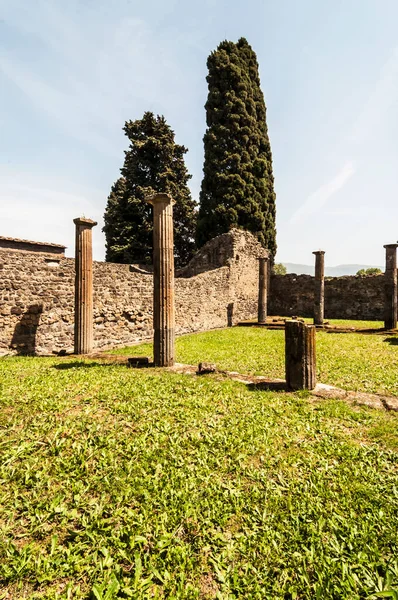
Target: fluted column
163	280
262	289
84	286
390	287
319	292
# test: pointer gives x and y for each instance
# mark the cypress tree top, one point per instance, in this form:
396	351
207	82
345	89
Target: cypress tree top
238	185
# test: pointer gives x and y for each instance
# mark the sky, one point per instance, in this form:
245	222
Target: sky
72	72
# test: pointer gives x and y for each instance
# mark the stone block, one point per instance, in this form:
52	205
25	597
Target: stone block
139	361
206	367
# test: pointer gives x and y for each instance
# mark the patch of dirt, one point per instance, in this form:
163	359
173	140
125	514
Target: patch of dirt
108	358
208	587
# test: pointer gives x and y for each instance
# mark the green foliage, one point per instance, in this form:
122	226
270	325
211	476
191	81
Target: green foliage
153	163
351	361
369	271
238	184
279	269
123	483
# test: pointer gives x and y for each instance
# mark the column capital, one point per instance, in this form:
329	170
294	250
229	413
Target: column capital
392	246
85	222
263	258
319	252
159	198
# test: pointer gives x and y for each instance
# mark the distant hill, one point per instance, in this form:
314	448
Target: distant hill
329	271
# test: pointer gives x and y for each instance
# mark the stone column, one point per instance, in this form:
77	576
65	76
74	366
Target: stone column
262	289
319	295
300	355
83	286
390	287
163	280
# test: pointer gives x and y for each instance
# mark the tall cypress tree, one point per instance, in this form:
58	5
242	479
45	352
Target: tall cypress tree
238	184
153	163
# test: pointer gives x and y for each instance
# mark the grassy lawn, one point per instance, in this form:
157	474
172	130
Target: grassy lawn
356	324
122	483
359	362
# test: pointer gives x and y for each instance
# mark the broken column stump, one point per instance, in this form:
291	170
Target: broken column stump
300	355
163	280
83	342
390	287
319	292
262	289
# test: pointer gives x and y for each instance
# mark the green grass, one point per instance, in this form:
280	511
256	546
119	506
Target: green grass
123	483
358	324
359	362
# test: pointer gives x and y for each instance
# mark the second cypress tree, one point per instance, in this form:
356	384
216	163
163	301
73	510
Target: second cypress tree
153	163
238	184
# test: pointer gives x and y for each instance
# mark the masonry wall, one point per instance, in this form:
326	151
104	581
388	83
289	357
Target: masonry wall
16	244
349	297
37	296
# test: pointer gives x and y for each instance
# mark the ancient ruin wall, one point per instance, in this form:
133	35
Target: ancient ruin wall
349	297
37	303
37	296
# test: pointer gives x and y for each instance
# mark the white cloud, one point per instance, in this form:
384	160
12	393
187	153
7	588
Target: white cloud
354	211
86	67
51	205
98	69
321	196
383	97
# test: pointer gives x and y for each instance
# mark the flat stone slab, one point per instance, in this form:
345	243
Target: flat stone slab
206	367
139	361
323	390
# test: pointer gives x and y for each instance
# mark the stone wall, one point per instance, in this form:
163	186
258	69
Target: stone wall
236	247
37	296
349	297
17	244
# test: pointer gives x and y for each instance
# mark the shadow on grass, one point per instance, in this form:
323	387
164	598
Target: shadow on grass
77	364
268	386
393	341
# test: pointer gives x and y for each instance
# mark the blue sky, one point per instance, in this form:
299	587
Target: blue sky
72	72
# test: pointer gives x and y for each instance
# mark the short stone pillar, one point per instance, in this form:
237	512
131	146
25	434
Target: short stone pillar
300	355
163	280
390	287
262	289
319	292
83	286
